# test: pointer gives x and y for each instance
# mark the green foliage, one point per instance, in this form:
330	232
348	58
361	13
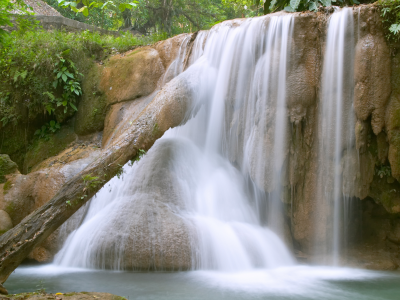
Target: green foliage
390	12
91	182
383	171
47	129
253	7
40	70
138	156
6	9
86	7
66	78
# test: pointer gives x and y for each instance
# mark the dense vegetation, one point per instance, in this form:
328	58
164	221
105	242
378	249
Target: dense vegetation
390	11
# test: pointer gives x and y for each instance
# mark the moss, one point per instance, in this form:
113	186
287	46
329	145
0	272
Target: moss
156	130
386	191
92	108
6	187
7	166
42	149
11	210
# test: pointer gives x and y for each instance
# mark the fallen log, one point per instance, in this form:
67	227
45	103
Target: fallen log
168	109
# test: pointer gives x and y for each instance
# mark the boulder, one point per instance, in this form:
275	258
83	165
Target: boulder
131	75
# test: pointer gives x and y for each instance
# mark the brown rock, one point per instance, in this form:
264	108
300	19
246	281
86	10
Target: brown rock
131	76
372	83
5	222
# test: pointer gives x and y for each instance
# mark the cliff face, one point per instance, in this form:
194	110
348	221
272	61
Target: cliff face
369	170
123	89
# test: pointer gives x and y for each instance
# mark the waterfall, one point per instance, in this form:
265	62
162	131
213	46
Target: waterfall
336	123
196	199
210	193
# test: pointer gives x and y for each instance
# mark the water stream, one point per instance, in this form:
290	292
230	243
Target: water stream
206	198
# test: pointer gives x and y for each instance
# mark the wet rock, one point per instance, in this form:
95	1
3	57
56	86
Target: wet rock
92	107
44	148
169	49
131	76
5	222
372	83
40	295
7	166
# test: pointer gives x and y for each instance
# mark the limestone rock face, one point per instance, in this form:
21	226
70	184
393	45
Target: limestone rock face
5	222
372	66
131	76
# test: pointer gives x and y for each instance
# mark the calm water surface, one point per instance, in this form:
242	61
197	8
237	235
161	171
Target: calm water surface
299	282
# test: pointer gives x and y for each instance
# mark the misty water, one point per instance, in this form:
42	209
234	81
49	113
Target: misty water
220	180
299	282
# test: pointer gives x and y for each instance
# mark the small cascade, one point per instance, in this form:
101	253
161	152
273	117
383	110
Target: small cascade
177	66
336	135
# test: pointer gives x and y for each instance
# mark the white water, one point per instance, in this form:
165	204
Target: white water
217	167
336	130
214	184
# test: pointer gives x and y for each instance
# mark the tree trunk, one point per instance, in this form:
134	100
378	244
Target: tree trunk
165	111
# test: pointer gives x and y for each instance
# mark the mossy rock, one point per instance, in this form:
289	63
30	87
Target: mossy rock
386	191
7	166
92	107
42	149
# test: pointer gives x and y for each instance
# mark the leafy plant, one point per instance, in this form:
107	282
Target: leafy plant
66	77
91	182
390	12
383	171
47	129
138	156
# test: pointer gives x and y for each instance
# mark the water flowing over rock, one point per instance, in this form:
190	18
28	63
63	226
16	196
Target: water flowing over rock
282	118
288	139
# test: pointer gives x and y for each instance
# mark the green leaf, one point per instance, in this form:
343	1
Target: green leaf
64	77
85	11
66	52
69	74
73	106
52	123
64	103
395	28
289	9
326	2
59	74
312	6
294	4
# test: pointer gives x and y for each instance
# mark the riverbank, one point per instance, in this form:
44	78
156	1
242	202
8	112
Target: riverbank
42	295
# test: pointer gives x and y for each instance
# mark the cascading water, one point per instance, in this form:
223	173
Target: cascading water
209	194
336	132
200	186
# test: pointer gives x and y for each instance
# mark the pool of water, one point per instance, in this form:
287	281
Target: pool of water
300	282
